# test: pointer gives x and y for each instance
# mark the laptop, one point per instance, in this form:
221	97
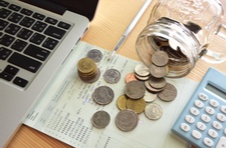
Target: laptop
36	36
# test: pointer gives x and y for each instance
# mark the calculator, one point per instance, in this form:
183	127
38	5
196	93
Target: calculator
202	122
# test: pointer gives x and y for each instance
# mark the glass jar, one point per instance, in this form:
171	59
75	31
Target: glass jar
183	29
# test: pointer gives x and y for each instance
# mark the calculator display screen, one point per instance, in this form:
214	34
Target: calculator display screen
216	91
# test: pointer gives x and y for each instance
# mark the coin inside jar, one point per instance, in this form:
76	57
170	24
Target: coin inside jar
160	58
126	120
103	95
100	119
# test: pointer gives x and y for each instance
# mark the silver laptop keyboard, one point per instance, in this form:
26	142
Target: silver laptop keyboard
27	40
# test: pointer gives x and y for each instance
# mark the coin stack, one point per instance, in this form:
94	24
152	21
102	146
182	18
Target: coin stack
88	70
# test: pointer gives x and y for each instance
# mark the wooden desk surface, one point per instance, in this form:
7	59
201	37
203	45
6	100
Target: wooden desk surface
112	18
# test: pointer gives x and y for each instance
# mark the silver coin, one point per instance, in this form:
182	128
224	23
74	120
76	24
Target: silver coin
153	111
135	89
126	120
160	58
157	82
149	97
142	70
142	78
169	93
95	54
152	89
100	119
158	72
103	95
112	76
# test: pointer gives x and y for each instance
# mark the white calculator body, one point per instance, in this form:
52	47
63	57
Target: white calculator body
203	120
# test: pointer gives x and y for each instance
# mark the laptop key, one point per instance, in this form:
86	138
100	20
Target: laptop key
37	38
39	26
15	17
4	13
4	53
51	20
4	3
38	16
25	62
14	7
6	76
6	40
12	29
27	22
24	33
37	52
20	82
64	25
19	45
3	24
50	43
11	70
26	12
55	32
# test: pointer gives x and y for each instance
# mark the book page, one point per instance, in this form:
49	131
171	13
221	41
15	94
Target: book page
65	109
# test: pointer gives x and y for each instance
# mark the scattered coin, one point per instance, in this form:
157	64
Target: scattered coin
152	89
136	105
103	95
160	58
135	89
157	82
100	119
142	70
149	97
112	76
121	102
130	77
169	93
153	111
126	120
142	78
95	54
158	72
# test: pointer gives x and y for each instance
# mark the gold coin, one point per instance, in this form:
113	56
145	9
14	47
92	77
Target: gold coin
86	65
121	102
136	105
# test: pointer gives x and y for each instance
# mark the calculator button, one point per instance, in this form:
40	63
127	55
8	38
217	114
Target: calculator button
196	134
194	111
203	96
221	117
190	119
209	110
185	127
214	103
212	133
201	126
208	142
223	109
217	125
205	118
199	104
221	143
